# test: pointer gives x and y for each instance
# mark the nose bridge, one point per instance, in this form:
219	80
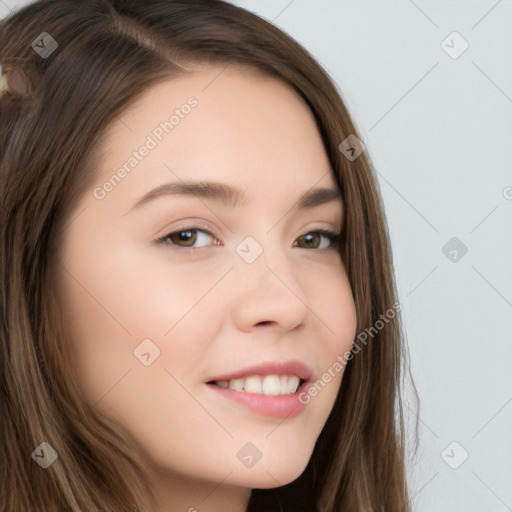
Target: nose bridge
267	288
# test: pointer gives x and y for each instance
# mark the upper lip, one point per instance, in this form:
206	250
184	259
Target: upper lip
291	367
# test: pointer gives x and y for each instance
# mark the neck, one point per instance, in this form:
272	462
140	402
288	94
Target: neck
176	493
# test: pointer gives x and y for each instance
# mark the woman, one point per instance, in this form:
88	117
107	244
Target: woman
257	371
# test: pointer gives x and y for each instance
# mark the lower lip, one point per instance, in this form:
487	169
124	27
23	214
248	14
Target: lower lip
274	406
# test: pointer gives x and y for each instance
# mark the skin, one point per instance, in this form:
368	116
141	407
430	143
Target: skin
209	312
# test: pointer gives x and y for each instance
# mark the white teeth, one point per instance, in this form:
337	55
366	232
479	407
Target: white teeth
293	384
253	384
264	385
271	385
236	384
283	380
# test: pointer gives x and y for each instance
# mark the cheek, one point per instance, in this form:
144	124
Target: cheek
108	310
335	313
99	334
117	307
159	292
338	319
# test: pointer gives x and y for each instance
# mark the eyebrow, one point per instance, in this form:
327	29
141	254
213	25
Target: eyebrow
231	195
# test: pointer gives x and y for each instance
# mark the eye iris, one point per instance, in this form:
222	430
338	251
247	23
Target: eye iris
308	237
189	237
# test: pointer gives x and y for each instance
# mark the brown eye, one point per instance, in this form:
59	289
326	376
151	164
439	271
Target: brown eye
188	237
313	238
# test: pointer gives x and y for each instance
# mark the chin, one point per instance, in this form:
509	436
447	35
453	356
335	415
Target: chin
275	475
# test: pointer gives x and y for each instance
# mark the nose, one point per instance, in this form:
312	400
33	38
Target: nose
268	293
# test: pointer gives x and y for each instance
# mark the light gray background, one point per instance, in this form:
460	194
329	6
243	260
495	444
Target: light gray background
439	132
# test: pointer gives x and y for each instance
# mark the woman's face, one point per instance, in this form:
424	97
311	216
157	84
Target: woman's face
154	319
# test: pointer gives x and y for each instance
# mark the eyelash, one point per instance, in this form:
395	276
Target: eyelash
333	237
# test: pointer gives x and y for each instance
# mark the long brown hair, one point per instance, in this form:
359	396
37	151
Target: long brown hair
108	53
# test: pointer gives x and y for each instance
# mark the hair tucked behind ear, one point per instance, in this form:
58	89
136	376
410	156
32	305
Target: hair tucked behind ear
108	53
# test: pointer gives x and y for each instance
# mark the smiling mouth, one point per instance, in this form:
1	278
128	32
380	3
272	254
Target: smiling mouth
270	385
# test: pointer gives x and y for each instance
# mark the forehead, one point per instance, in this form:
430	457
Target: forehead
246	128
